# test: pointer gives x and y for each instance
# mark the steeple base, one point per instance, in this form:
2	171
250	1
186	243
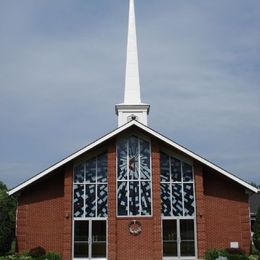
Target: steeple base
127	112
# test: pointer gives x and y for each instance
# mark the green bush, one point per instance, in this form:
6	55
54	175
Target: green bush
16	257
212	254
255	251
53	256
253	257
236	257
7	220
26	256
231	254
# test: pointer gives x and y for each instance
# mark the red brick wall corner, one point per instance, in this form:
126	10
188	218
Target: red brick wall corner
67	213
226	212
157	226
40	215
200	210
112	234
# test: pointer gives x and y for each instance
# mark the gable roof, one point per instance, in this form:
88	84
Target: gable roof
119	130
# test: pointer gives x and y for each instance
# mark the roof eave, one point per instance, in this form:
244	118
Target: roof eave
119	130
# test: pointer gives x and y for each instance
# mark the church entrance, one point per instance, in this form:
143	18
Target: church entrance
90	239
178	238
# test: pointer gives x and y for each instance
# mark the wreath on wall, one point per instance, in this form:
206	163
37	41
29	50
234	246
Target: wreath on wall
135	227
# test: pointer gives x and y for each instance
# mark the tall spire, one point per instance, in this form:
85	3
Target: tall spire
132	84
132	108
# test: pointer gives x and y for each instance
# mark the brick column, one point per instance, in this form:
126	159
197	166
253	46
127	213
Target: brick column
68	215
112	234
245	226
157	237
200	208
21	226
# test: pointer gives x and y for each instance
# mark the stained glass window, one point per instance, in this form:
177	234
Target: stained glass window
90	188
177	192
133	177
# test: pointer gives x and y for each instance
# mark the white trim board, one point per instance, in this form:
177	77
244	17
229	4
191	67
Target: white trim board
119	130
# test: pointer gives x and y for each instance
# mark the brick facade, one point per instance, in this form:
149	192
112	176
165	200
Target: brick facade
112	223
227	212
40	215
68	216
122	245
200	210
45	213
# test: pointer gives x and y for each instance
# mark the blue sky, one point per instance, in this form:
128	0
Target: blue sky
62	67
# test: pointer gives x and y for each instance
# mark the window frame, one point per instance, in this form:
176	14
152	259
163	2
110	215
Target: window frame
139	180
73	237
186	160
182	183
84	183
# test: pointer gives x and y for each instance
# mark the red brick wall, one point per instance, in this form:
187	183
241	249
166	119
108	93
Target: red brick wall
131	247
40	215
112	223
157	228
122	245
226	212
200	210
68	213
45	214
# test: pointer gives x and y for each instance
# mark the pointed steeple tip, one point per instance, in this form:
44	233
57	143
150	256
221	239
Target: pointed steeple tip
132	106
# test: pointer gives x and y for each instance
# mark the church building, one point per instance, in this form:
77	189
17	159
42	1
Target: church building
133	194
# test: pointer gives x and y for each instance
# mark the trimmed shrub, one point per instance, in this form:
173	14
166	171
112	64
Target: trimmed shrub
37	252
52	256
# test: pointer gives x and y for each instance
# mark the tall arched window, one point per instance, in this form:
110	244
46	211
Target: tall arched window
133	177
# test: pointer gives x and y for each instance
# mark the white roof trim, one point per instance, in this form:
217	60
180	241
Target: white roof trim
71	157
117	131
197	157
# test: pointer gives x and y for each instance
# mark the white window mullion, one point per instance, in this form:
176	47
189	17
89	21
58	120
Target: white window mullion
96	188
182	190
127	177
90	239
139	179
170	184
84	188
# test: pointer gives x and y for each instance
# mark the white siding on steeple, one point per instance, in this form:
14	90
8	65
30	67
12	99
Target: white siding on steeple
132	84
132	108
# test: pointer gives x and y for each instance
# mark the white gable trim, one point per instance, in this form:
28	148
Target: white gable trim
117	131
198	158
71	157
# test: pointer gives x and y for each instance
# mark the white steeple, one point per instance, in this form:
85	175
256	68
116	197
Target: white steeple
132	84
132	108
